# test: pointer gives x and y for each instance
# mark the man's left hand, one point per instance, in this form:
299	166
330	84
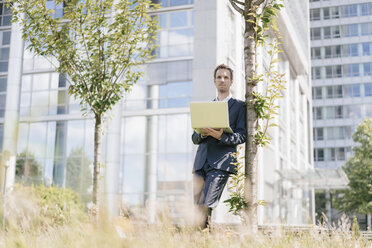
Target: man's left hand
215	133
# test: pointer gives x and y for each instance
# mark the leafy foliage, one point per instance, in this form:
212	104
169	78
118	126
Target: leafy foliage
358	198
355	228
39	207
266	105
266	19
237	202
99	45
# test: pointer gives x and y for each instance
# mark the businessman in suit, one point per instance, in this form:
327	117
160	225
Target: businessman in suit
214	158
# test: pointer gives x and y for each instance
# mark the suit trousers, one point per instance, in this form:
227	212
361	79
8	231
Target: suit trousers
208	185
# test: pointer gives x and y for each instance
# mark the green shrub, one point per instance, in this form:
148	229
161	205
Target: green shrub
39	206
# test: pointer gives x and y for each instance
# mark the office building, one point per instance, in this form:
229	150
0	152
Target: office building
341	53
147	148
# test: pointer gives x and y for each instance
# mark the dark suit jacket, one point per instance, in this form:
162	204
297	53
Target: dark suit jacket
218	153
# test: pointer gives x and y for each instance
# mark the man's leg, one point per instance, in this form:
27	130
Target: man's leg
198	185
215	182
198	189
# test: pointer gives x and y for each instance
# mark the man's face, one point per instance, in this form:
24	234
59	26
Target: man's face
223	80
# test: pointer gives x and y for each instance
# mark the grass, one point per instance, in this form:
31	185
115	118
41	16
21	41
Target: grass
30	224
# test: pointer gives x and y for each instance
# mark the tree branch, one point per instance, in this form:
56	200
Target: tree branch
236	7
259	2
238	2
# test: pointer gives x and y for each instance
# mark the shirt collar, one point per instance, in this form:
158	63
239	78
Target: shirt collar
224	100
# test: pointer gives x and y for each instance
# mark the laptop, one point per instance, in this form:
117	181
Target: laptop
210	114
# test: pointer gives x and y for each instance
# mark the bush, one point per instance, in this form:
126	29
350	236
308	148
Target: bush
42	207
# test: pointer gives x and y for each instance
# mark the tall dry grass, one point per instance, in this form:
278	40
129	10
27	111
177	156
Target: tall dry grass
30	224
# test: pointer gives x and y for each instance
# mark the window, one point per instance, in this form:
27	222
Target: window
318	133
328	52
354	90
368	108
366	9
337	71
336	51
367	69
335	133
314	14
58	9
337	91
175	94
353	50
334	112
176	36
368	89
334	91
351	30
366	47
340	154
326	32
349	10
354	111
330	113
326	15
336	32
316	72
366	28
317	93
318	113
4	50
319	154
5	15
315	34
335	12
315	53
328	70
339	112
352	70
329	92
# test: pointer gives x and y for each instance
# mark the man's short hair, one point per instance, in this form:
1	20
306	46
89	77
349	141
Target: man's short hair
223	66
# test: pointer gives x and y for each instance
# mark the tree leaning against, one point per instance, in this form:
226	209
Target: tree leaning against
257	14
99	46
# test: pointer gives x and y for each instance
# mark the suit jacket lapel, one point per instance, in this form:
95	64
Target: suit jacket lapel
231	103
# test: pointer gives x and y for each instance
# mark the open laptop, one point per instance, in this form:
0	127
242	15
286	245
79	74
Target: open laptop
210	114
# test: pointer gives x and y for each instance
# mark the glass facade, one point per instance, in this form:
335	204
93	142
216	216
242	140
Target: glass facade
58	149
5	33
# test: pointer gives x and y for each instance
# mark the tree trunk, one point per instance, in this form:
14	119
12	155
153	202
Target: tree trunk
96	165
250	184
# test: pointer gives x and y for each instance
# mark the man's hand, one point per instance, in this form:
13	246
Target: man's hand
207	131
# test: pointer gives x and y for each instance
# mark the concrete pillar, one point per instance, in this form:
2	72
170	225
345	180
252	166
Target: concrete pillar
11	117
369	222
328	206
152	157
112	168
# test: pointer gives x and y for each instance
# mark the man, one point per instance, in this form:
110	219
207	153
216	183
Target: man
214	158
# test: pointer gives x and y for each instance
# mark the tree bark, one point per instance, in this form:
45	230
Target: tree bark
250	184
96	165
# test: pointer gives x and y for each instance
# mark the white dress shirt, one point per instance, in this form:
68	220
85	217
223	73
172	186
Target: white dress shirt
224	100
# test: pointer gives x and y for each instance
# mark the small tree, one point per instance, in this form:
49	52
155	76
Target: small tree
358	198
99	45
257	14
